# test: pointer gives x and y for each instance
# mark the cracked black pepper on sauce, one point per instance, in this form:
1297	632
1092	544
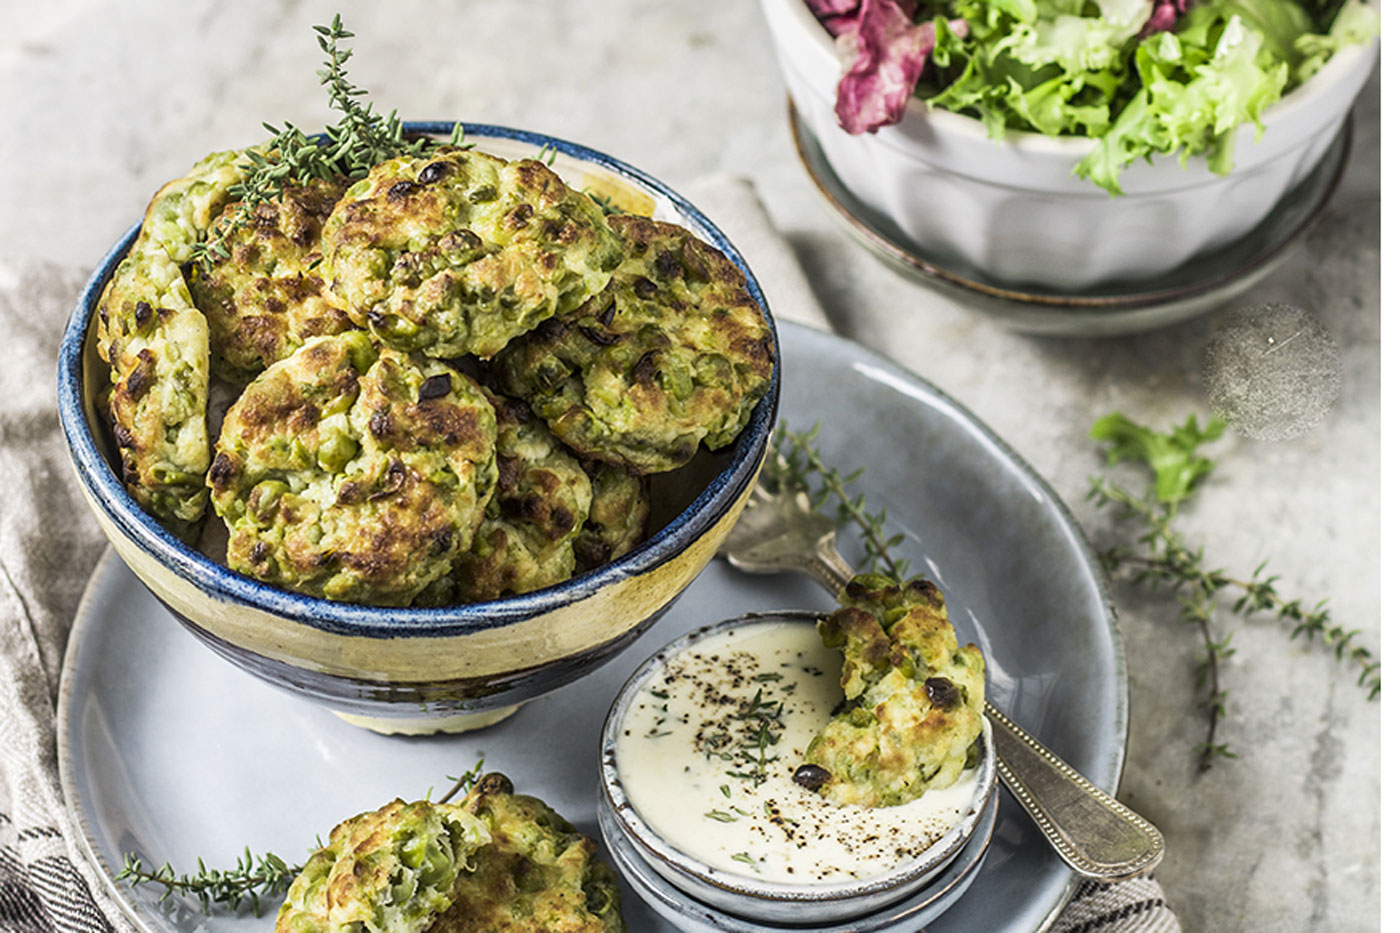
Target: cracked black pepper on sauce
710	745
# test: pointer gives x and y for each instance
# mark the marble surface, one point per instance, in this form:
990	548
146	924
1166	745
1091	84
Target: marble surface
104	101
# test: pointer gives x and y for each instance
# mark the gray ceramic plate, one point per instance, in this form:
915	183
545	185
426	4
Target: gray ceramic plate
167	751
1200	285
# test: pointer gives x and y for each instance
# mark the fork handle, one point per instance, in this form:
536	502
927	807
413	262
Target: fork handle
828	567
1092	832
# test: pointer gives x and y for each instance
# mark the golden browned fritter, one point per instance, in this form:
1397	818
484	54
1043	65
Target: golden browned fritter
673	354
388	871
351	471
460	251
536	874
157	346
542	498
266	298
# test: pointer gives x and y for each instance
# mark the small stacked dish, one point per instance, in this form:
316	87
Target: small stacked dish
810	861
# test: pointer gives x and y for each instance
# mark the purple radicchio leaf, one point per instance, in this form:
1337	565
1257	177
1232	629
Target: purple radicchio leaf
1165	13
887	52
838	16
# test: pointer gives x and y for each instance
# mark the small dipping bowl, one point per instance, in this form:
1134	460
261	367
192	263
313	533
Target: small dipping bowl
649	708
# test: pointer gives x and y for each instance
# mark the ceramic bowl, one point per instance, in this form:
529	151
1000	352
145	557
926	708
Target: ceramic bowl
744	895
425	670
1016	212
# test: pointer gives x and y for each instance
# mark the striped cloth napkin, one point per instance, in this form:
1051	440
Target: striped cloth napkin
49	545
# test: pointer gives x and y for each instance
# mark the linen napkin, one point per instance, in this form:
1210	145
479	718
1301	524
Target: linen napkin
49	545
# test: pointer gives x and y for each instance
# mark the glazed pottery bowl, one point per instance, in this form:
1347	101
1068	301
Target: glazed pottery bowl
1016	212
443	669
748	896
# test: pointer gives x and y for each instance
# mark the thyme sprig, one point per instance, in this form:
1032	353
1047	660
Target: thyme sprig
1158	556
360	140
252	878
795	463
761	722
1160	559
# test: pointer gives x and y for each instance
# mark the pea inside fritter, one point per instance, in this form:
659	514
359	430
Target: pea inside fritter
351	471
267	297
914	698
460	251
673	354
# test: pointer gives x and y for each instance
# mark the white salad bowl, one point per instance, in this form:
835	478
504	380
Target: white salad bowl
747	896
1015	211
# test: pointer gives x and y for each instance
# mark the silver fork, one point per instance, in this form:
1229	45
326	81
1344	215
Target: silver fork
1097	836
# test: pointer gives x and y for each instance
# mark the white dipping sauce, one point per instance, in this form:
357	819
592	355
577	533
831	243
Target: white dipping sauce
686	754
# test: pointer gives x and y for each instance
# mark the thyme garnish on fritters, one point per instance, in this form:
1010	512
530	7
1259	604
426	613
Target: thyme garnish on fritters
360	140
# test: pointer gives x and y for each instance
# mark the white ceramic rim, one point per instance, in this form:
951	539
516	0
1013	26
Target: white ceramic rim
815	35
649	843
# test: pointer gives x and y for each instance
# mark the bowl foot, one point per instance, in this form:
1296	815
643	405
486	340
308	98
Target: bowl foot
451	725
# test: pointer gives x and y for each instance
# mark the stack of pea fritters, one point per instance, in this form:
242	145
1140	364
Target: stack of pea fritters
500	862
360	462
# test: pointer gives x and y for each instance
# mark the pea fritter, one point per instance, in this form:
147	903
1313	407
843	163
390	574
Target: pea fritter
542	500
266	298
674	353
537	872
157	346
617	517
460	251
353	472
914	698
389	871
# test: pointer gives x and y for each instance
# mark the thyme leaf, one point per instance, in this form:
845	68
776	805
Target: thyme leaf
357	142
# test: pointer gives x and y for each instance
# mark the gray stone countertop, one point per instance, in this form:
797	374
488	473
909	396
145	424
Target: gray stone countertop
105	101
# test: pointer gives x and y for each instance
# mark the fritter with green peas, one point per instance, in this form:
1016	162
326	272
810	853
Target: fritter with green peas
914	698
542	499
617	517
157	346
673	354
460	251
537	873
389	871
266	297
352	471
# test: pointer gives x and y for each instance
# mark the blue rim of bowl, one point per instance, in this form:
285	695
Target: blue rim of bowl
644	838
217	581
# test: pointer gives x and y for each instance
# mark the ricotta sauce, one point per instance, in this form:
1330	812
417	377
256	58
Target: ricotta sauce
707	749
